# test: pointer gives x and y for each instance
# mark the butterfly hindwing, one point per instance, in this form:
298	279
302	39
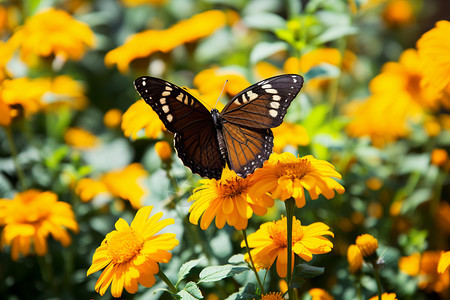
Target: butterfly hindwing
247	148
264	104
195	136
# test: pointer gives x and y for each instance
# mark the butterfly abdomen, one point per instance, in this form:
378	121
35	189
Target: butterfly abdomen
217	120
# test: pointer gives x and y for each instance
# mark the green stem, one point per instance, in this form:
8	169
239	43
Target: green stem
167	281
376	274
46	268
14	154
290	207
252	264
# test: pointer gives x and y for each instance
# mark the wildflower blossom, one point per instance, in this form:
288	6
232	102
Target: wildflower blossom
140	116
164	150
132	3
30	218
367	244
444	262
434	51
130	254
80	138
438	157
270	243
283	136
385	296
285	176
112	118
354	258
272	296
319	294
227	200
5	114
398	13
63	91
54	32
145	43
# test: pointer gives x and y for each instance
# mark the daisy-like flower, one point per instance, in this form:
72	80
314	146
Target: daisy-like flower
227	200
367	244
145	43
112	118
130	254
30	218
124	183
444	262
434	50
285	176
54	32
140	116
398	13
5	114
164	150
320	294
80	138
354	258
283	136
270	243
271	296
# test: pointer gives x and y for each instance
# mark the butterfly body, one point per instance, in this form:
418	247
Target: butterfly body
239	136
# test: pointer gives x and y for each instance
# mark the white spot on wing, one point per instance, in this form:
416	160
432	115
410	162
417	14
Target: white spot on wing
275	104
180	97
251	96
168	88
165	93
162	101
165	108
273	113
144	83
271	91
276	97
169	117
267	86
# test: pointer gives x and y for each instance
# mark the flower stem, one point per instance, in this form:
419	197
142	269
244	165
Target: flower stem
12	146
290	207
167	281
252	264
376	274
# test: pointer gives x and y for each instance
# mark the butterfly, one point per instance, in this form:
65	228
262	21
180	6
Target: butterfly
239	136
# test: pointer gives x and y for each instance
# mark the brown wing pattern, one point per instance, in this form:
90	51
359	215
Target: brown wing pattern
264	104
247	148
195	136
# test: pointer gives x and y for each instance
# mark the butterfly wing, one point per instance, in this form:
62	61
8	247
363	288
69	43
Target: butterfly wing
264	104
195	136
248	117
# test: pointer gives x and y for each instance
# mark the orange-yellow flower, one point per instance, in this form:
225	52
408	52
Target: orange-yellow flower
425	266
354	258
24	92
385	296
132	3
227	200
80	138
285	176
5	114
63	91
130	254
125	183
439	156
145	43
112	118
164	150
140	116
398	13
444	262
320	294
272	296
30	218
367	244
434	51
270	243
54	32
289	134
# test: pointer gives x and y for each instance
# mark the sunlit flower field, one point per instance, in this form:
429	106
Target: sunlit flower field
353	203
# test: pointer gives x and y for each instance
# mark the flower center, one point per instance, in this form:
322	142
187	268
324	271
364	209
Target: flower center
232	187
124	245
278	232
293	170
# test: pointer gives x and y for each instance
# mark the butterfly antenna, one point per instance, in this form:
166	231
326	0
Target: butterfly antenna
223	88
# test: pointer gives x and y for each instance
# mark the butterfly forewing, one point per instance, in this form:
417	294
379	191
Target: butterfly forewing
264	104
247	148
182	114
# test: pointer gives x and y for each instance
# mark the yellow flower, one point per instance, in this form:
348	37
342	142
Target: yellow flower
24	92
398	13
385	296
434	51
265	70
367	244
285	176
132	3
444	262
130	254
164	150
64	91
5	114
7	50
319	294
374	183
145	43
270	243
354	258
54	32
425	266
289	134
271	296
140	116
439	157
227	200
30	218
123	183
80	138
112	118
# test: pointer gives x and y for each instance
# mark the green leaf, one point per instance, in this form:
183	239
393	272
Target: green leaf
265	49
322	71
336	32
216	273
264	21
186	268
308	271
246	292
190	292
237	259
